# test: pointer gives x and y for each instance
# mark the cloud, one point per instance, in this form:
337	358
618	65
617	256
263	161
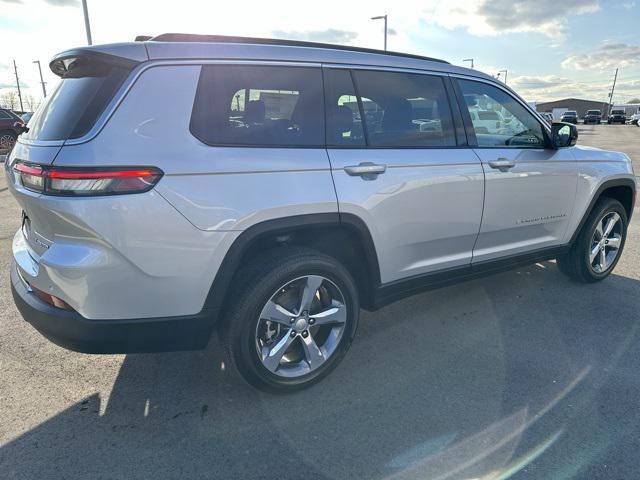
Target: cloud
55	3
330	35
553	87
607	56
495	17
539	82
62	3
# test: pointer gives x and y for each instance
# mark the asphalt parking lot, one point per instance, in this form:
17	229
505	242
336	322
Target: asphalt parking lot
522	373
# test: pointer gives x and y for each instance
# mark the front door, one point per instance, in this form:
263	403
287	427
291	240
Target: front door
396	164
530	188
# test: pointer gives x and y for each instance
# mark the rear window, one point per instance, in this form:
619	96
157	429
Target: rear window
77	102
259	106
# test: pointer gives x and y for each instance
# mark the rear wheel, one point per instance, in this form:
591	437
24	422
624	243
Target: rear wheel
293	320
599	245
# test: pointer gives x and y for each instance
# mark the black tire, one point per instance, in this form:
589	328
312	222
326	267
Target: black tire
575	264
255	286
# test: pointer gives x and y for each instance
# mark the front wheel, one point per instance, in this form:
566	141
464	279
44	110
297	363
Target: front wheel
599	245
293	320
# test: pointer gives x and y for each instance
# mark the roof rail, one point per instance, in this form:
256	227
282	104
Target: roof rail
188	37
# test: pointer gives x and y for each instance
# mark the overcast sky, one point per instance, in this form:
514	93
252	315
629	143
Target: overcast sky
552	48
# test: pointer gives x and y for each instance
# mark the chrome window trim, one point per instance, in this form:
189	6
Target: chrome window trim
128	84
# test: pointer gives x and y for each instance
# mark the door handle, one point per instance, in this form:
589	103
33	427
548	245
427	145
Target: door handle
366	170
502	164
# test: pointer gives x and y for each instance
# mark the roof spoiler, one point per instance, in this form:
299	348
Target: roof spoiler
79	62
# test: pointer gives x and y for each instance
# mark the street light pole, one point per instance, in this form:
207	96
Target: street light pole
42	82
15	69
468	60
505	75
87	26
383	17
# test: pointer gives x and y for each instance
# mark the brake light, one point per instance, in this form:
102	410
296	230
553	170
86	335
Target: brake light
91	181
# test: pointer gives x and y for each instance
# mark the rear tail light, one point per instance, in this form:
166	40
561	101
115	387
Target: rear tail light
74	181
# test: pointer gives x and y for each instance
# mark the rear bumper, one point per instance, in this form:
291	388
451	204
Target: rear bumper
72	331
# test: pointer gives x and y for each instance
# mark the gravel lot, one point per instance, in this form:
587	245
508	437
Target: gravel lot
521	373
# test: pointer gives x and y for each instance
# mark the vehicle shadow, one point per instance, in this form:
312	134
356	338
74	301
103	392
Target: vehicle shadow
522	373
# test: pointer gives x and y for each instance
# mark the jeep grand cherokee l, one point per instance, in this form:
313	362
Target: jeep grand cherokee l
302	183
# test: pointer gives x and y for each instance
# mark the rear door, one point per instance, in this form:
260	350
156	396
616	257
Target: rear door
398	164
530	188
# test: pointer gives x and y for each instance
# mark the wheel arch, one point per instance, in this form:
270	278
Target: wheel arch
621	189
342	236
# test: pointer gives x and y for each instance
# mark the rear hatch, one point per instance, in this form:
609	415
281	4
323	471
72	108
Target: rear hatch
90	79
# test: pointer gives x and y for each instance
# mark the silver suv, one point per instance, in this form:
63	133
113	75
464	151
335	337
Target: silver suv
273	188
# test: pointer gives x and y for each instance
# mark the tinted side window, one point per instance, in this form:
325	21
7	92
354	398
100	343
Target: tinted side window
259	106
499	120
4	115
405	109
344	125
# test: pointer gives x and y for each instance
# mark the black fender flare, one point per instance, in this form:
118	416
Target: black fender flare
232	260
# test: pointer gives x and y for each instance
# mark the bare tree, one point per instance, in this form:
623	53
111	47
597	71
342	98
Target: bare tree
31	102
9	99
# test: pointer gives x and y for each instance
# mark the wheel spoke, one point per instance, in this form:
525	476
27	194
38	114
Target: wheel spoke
603	260
277	313
611	222
308	292
272	356
337	313
614	242
312	352
594	253
599	231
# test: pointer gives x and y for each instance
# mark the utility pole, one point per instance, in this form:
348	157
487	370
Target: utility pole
383	17
87	26
469	60
613	89
15	69
42	82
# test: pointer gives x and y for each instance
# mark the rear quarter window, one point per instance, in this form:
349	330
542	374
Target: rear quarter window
76	103
239	105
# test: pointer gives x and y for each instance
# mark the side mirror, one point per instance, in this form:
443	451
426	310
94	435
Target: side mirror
20	128
563	134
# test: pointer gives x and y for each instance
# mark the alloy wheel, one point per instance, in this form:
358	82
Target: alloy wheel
6	142
301	326
605	242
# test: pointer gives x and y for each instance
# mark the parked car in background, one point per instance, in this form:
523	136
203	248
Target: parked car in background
617	116
634	119
570	116
548	116
11	125
270	215
593	116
